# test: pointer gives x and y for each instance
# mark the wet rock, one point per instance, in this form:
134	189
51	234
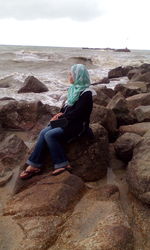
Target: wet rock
24	115
105	117
119	106
138	100
119	72
137	128
142	113
132	72
32	84
125	144
12	151
102	225
138	171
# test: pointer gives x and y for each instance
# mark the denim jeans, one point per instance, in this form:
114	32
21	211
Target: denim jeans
51	139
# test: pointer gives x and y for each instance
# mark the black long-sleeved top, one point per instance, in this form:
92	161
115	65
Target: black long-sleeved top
78	115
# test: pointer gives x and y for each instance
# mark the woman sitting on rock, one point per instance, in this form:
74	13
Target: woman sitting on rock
76	115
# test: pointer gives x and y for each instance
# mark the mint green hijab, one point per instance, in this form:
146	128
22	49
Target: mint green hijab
81	82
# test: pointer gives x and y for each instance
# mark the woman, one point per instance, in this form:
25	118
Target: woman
76	110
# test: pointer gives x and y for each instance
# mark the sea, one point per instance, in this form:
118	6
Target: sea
52	64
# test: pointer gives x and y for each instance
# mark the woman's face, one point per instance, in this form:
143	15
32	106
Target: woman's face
70	78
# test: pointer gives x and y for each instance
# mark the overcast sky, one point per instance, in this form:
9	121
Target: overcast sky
81	23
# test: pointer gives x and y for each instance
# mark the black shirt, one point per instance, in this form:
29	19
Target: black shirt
78	115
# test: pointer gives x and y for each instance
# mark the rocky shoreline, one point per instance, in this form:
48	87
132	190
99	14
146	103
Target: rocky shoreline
104	202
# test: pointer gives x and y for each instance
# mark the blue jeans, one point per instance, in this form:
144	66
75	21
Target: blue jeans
49	138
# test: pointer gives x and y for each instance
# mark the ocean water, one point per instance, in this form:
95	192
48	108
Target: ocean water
51	65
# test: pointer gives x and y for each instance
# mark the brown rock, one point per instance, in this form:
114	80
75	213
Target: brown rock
5	178
90	158
114	162
101	98
105	117
102	225
12	151
137	128
119	105
138	172
32	84
50	196
24	115
142	77
142	113
127	91
108	91
119	72
138	100
125	144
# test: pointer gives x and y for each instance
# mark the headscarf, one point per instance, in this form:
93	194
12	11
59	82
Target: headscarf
81	82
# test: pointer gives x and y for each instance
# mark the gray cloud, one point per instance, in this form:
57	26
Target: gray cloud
33	9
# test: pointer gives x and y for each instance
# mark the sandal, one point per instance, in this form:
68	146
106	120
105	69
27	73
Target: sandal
61	170
26	174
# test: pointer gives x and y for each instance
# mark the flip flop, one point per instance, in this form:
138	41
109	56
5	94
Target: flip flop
59	172
29	173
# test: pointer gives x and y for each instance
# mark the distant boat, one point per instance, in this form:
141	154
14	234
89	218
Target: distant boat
122	50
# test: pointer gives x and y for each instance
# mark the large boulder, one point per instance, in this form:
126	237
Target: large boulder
97	222
119	105
138	172
137	128
119	72
42	209
24	115
32	84
125	144
90	158
138	100
105	117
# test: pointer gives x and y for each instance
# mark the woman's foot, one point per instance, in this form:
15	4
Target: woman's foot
61	170
29	172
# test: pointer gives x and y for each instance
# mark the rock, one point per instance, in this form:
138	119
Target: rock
138	100
24	115
12	151
138	171
122	50
101	98
108	91
32	84
142	77
119	105
114	162
132	72
52	195
137	128
4	179
119	72
90	158
142	113
125	144
102	225
127	91
105	117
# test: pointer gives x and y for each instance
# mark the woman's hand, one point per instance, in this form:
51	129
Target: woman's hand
55	117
